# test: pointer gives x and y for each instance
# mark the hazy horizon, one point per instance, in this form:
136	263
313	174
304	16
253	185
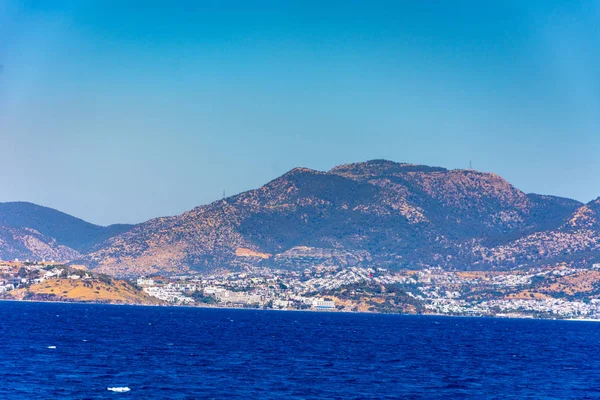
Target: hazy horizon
119	114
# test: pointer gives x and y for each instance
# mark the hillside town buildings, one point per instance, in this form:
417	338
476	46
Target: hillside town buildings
553	292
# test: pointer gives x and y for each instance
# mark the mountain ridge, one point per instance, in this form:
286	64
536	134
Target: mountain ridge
387	214
377	213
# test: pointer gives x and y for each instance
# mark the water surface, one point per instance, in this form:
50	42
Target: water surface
77	351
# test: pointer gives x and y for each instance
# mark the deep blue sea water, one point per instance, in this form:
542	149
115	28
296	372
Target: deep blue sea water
187	353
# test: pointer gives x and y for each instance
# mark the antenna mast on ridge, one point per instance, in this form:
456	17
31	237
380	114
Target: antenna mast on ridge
470	165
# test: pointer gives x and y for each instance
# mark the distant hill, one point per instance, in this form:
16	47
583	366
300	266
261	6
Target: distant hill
377	213
31	231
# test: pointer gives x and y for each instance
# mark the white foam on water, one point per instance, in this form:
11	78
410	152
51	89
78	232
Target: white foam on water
51	347
119	389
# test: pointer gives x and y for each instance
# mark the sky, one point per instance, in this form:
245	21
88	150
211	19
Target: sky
121	111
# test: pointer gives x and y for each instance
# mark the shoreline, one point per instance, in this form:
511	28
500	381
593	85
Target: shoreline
524	317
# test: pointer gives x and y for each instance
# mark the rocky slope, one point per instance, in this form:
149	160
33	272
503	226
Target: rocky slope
576	240
29	231
377	213
27	243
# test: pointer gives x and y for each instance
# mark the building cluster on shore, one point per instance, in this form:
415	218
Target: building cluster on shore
435	291
557	291
16	274
235	290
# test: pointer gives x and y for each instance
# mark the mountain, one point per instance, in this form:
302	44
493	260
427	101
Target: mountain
31	231
576	240
377	213
26	243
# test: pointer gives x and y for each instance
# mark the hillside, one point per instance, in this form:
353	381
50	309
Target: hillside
28	243
576	240
31	231
376	213
95	290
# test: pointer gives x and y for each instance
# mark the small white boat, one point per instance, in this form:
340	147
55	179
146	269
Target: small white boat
119	389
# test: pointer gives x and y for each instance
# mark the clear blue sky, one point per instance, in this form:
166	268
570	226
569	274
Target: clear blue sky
117	112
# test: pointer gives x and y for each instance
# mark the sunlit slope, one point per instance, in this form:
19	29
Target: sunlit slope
93	290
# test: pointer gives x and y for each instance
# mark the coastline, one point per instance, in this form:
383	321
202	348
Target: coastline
302	311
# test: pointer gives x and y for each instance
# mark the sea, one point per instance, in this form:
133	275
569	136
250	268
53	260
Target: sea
88	351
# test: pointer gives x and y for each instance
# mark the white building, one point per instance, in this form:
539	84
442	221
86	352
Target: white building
145	281
322	304
278	303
